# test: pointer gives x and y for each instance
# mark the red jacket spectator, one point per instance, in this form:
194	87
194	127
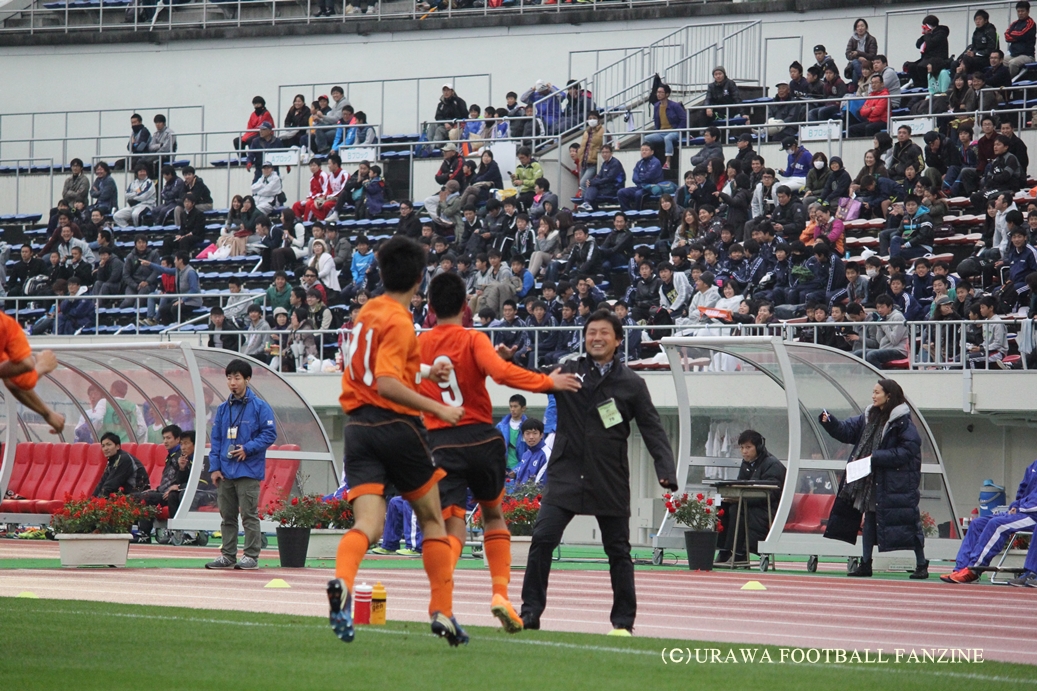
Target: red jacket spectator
876	109
258	117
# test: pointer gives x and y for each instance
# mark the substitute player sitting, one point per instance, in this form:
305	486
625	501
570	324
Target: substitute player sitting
386	442
473	453
20	371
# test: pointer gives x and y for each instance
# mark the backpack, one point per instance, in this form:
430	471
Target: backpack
140	482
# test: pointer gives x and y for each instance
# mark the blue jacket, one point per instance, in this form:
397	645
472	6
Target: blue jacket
912	309
1021	262
1026	495
610	176
375	190
675	113
361	262
551	415
799	163
648	171
922	289
75	314
505	429
527	283
531	464
256	432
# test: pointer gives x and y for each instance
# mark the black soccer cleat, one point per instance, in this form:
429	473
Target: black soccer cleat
341	617
448	628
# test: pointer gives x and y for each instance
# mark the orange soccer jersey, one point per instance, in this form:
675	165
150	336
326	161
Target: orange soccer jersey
381	344
474	358
14	346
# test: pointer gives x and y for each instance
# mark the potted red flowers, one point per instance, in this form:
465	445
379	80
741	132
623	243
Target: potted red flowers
95	531
702	517
335	520
295	518
520	508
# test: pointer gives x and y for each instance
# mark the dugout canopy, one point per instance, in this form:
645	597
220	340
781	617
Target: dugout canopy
725	385
135	390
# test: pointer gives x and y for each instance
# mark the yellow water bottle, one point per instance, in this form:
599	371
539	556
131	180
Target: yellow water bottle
378	604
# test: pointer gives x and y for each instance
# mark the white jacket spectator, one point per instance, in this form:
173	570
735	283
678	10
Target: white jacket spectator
265	190
683	288
65	249
324	263
140	197
893	333
710	298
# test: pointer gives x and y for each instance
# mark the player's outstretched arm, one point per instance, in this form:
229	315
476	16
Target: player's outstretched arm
31	400
46	362
12	368
394	390
495	363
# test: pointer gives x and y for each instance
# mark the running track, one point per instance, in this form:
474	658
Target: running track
795	610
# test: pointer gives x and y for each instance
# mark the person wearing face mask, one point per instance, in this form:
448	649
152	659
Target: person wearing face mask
139	140
590	146
817	178
259	115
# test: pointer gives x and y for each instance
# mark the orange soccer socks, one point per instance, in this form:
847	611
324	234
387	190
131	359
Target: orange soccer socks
497	544
351	550
438	557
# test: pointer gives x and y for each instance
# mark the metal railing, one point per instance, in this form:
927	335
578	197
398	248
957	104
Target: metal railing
237	13
26	166
23	311
928	346
957	16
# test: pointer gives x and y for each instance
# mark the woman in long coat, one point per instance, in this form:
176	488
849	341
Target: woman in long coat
887	498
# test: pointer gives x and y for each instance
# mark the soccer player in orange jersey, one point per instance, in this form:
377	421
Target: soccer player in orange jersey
20	370
473	453
386	442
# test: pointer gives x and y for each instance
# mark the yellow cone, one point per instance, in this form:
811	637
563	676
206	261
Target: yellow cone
27	594
753	585
277	583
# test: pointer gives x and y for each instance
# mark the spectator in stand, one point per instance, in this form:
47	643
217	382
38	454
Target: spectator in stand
74	314
410	224
720	92
713	147
108	276
545	202
997	75
798	84
25	268
874	113
647	174
833	88
69	242
163	141
800	162
915	236
905	153
994	344
450	109
172	198
607	180
319	201
324	264
527	172
670	119
487	178
297	118
531	129
547	102
77	186
192	229
891	332
140	199
933	47
257	145
202	196
178	309
140	279
618	244
590	146
784	108
259	115
219	323
138	144
267	188
890	78
1020	37
976	55
861	50
450	168
1017	148
578	108
103	191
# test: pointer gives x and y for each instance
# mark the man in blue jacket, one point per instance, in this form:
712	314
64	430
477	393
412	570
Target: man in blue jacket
988	534
670	119
647	172
242	431
510	426
798	165
606	182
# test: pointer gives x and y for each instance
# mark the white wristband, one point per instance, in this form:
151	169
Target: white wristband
425	371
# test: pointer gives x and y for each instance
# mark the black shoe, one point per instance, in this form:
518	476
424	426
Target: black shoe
921	572
723	556
861	570
142	540
529	623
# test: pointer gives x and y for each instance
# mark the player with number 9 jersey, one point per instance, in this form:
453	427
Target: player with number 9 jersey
382	343
474	358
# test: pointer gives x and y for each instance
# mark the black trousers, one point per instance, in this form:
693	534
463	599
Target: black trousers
615	537
154	498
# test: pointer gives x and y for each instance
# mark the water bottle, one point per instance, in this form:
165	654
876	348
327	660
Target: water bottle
378	596
362	604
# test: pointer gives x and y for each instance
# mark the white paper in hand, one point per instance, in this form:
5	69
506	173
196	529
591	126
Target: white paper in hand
855	470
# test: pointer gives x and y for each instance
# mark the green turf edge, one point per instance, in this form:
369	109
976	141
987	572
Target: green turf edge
108	646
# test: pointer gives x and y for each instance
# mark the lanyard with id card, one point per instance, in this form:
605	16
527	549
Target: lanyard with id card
609	413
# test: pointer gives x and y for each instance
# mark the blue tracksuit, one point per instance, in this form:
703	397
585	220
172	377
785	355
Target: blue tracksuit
401	523
532	464
504	427
988	534
799	163
256	432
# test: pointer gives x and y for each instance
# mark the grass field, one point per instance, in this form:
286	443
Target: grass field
65	644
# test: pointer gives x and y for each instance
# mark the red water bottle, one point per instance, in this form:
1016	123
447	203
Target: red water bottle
362	604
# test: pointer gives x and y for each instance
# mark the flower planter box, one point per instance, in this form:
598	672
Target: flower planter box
324	543
701	545
94	550
519	551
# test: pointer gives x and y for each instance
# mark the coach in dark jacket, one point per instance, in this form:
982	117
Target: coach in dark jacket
122	472
759	466
589	470
887	499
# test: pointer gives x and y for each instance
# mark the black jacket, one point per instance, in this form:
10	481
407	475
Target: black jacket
589	471
905	153
22	272
171	473
193	224
453	108
896	462
201	192
121	475
766	470
933	45
409	226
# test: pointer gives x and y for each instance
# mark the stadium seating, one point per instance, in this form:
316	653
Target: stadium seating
809	513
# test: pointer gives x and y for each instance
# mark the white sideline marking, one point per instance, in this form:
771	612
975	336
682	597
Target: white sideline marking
520	641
